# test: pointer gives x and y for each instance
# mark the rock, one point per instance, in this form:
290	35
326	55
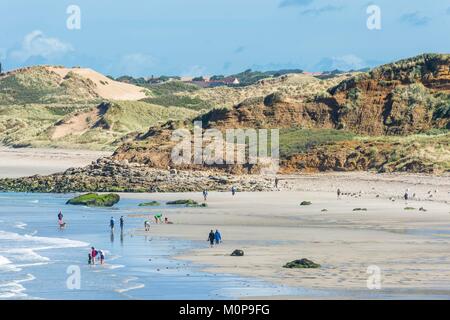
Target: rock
237	253
305	203
95	200
186	202
301	264
150	204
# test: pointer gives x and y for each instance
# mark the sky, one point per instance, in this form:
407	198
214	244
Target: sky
206	37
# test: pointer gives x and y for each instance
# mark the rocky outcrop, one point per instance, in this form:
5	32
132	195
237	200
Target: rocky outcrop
381	156
107	175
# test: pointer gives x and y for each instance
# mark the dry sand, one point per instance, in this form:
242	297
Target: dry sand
105	87
411	247
25	162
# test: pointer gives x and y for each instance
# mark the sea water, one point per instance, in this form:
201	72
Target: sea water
37	258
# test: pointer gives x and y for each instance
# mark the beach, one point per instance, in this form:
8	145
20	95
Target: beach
23	162
371	227
407	241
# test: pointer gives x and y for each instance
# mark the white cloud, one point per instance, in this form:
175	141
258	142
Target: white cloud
345	62
36	44
194	71
135	64
2	54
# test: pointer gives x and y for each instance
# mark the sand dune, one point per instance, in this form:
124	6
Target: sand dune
105	87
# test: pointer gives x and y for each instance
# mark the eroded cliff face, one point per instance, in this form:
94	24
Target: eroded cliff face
399	99
395	99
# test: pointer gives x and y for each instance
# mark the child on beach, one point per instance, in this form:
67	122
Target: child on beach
89	259
93	254
102	256
166	221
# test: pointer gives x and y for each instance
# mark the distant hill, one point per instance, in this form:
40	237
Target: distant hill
48	106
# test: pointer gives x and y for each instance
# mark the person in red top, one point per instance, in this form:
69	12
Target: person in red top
93	254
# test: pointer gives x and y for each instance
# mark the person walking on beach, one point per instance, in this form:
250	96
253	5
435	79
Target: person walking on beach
205	194
233	191
276	182
406	196
147	225
338	193
89	259
111	224
217	237
93	254
211	238
121	221
60	216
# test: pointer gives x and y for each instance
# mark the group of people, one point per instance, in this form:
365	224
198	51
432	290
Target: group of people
158	220
96	254
214	238
205	192
112	223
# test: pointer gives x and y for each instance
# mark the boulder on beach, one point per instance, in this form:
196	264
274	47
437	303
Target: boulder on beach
305	203
95	200
301	264
150	204
180	202
237	253
188	203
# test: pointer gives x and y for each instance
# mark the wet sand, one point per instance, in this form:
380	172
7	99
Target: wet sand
409	246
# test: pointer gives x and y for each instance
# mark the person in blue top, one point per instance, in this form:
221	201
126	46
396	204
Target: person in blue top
217	237
111	223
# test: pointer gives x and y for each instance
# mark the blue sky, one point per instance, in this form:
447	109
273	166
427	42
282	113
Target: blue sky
193	37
